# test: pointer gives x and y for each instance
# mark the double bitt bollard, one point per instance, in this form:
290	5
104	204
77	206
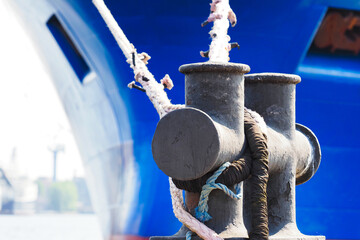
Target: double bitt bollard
190	142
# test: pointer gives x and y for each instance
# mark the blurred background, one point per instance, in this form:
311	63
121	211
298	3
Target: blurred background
71	130
41	173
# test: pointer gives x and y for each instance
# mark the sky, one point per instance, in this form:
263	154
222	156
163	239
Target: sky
32	118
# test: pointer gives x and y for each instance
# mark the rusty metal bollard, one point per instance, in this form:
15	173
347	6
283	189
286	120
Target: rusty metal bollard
190	142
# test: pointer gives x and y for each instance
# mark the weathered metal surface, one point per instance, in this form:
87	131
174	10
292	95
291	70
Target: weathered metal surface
309	168
294	150
272	95
190	142
186	144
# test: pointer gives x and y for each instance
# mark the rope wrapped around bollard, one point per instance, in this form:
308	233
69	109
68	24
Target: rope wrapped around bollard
254	163
253	166
202	208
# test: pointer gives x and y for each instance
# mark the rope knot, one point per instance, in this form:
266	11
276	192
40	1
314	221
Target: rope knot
202	208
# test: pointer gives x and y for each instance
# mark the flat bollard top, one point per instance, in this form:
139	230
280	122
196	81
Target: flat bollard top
279	78
214	67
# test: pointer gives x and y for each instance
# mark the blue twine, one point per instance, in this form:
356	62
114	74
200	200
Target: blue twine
201	211
188	235
202	208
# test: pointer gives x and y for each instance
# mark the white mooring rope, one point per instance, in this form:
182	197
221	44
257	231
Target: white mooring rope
220	13
154	90
186	218
219	51
219	47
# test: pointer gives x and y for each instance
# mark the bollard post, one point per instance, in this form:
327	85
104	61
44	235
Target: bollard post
294	150
190	142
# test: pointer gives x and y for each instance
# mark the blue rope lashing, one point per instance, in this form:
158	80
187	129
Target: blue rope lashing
188	235
201	211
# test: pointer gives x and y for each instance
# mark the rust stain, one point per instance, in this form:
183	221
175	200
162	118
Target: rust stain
339	31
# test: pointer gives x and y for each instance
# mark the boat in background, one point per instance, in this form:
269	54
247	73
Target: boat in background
114	126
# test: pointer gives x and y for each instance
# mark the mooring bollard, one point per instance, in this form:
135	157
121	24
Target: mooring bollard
190	142
294	150
193	141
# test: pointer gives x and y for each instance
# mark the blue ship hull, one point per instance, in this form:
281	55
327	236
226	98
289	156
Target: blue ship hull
114	126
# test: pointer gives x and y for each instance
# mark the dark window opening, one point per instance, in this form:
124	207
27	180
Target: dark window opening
68	47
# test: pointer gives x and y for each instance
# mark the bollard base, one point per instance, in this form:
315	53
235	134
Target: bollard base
301	237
